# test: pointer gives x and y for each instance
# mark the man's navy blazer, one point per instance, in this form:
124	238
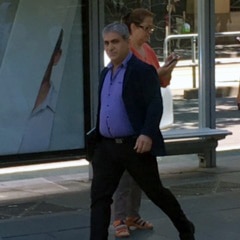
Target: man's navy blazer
143	101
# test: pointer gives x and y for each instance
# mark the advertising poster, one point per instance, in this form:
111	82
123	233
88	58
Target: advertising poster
41	76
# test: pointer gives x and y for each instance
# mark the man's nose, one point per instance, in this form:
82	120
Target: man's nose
110	46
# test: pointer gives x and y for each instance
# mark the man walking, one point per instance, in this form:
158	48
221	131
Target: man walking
128	136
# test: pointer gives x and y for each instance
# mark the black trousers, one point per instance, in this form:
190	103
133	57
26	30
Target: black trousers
109	162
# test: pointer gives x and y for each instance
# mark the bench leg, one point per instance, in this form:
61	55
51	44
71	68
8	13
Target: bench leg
208	158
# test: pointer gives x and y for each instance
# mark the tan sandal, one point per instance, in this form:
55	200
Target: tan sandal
121	229
138	223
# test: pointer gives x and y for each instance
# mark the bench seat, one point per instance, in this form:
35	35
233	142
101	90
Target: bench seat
201	141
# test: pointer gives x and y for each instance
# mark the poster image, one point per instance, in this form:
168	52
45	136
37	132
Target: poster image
41	76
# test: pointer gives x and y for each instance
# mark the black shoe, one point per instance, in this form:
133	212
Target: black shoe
189	235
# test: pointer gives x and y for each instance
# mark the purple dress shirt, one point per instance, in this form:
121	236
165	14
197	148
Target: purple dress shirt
114	121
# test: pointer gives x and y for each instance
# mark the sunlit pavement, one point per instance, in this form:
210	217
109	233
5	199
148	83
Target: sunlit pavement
54	204
227	83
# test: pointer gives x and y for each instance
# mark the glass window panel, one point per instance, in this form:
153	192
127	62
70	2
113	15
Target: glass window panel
227	73
41	76
176	21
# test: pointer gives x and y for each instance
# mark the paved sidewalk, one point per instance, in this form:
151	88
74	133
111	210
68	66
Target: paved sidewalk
57	206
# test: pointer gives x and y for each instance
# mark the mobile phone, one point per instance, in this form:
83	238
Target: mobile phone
175	58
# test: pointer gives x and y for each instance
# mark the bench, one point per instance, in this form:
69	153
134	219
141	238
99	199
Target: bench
202	141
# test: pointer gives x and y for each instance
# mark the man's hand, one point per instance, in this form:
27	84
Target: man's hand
143	144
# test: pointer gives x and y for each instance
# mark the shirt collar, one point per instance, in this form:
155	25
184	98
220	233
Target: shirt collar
125	61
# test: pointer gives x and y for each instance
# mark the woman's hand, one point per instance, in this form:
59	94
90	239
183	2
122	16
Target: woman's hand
165	72
171	61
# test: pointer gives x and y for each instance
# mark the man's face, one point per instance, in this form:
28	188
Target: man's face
116	47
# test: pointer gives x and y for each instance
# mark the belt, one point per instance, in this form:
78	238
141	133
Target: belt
121	140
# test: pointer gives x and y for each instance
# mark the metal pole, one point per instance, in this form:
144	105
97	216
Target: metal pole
194	40
206	46
169	21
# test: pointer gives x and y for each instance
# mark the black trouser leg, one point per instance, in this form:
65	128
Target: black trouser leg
106	175
144	169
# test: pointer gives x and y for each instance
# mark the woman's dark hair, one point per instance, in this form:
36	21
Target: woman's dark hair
136	16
